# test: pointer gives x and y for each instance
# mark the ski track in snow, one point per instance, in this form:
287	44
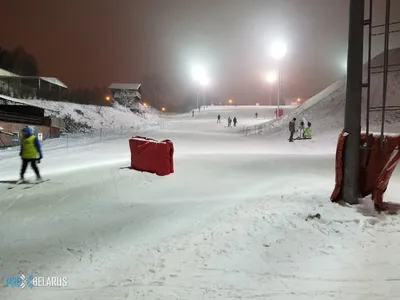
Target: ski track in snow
231	223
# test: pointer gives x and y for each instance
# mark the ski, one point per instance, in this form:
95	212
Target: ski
32	184
29	184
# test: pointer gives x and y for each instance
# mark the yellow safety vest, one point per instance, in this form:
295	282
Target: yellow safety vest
29	150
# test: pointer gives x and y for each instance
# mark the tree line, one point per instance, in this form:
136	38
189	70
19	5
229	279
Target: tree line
20	62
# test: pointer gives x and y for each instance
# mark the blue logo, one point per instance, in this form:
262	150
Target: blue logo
21	281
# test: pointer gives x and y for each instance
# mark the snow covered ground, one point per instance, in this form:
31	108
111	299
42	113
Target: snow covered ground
231	223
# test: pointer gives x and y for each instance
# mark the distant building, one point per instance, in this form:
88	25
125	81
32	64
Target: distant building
32	87
17	113
17	110
127	94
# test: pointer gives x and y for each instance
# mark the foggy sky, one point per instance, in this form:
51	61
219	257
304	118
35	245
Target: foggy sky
88	42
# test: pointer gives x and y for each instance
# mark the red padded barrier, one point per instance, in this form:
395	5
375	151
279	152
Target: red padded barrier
149	155
376	166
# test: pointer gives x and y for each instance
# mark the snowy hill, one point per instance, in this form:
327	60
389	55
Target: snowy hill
326	109
96	117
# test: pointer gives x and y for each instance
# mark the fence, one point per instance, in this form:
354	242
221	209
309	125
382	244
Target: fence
70	140
255	129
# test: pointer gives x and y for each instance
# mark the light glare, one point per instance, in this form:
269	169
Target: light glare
198	73
272	76
278	50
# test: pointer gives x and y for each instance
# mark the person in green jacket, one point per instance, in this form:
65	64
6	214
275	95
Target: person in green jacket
30	153
307	131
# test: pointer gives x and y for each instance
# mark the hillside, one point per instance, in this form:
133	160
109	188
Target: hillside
326	109
95	117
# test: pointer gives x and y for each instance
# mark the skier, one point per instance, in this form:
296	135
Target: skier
219	118
234	121
30	150
301	130
256	115
229	121
307	131
192	113
292	129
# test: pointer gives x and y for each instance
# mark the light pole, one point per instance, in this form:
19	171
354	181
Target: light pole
278	52
271	78
199	75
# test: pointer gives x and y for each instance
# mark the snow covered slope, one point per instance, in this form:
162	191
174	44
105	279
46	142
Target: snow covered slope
237	220
326	110
205	120
96	117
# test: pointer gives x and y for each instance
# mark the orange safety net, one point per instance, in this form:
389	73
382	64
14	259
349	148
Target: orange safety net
376	165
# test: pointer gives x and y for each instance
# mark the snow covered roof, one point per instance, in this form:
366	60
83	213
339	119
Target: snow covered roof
125	86
7	73
25	102
54	80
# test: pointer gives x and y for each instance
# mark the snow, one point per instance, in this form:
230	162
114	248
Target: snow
232	222
54	81
6	73
99	117
125	86
96	117
326	109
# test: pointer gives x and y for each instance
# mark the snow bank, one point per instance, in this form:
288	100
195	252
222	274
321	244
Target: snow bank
98	116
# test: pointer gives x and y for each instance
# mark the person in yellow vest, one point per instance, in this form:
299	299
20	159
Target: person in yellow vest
31	152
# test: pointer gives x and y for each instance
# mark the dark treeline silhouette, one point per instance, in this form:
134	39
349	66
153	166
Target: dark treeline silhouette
96	96
22	63
18	61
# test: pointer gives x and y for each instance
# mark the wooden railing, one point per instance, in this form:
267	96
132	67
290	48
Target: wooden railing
16	118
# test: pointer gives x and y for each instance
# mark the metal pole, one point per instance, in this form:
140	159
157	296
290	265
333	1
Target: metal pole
270	94
352	118
279	90
369	66
385	69
203	98
197	98
39	92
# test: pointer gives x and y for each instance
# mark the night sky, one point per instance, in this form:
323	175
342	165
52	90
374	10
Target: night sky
89	42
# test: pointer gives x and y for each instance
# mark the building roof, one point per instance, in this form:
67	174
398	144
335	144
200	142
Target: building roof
7	73
125	86
25	102
54	80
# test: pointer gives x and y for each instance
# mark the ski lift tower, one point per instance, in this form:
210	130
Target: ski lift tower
353	150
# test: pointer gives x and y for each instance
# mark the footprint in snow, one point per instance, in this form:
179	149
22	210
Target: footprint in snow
77	253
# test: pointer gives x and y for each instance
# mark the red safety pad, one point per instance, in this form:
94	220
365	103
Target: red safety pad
149	155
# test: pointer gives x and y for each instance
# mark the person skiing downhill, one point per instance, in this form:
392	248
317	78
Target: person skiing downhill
229	121
219	119
292	129
30	152
234	121
192	113
256	115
